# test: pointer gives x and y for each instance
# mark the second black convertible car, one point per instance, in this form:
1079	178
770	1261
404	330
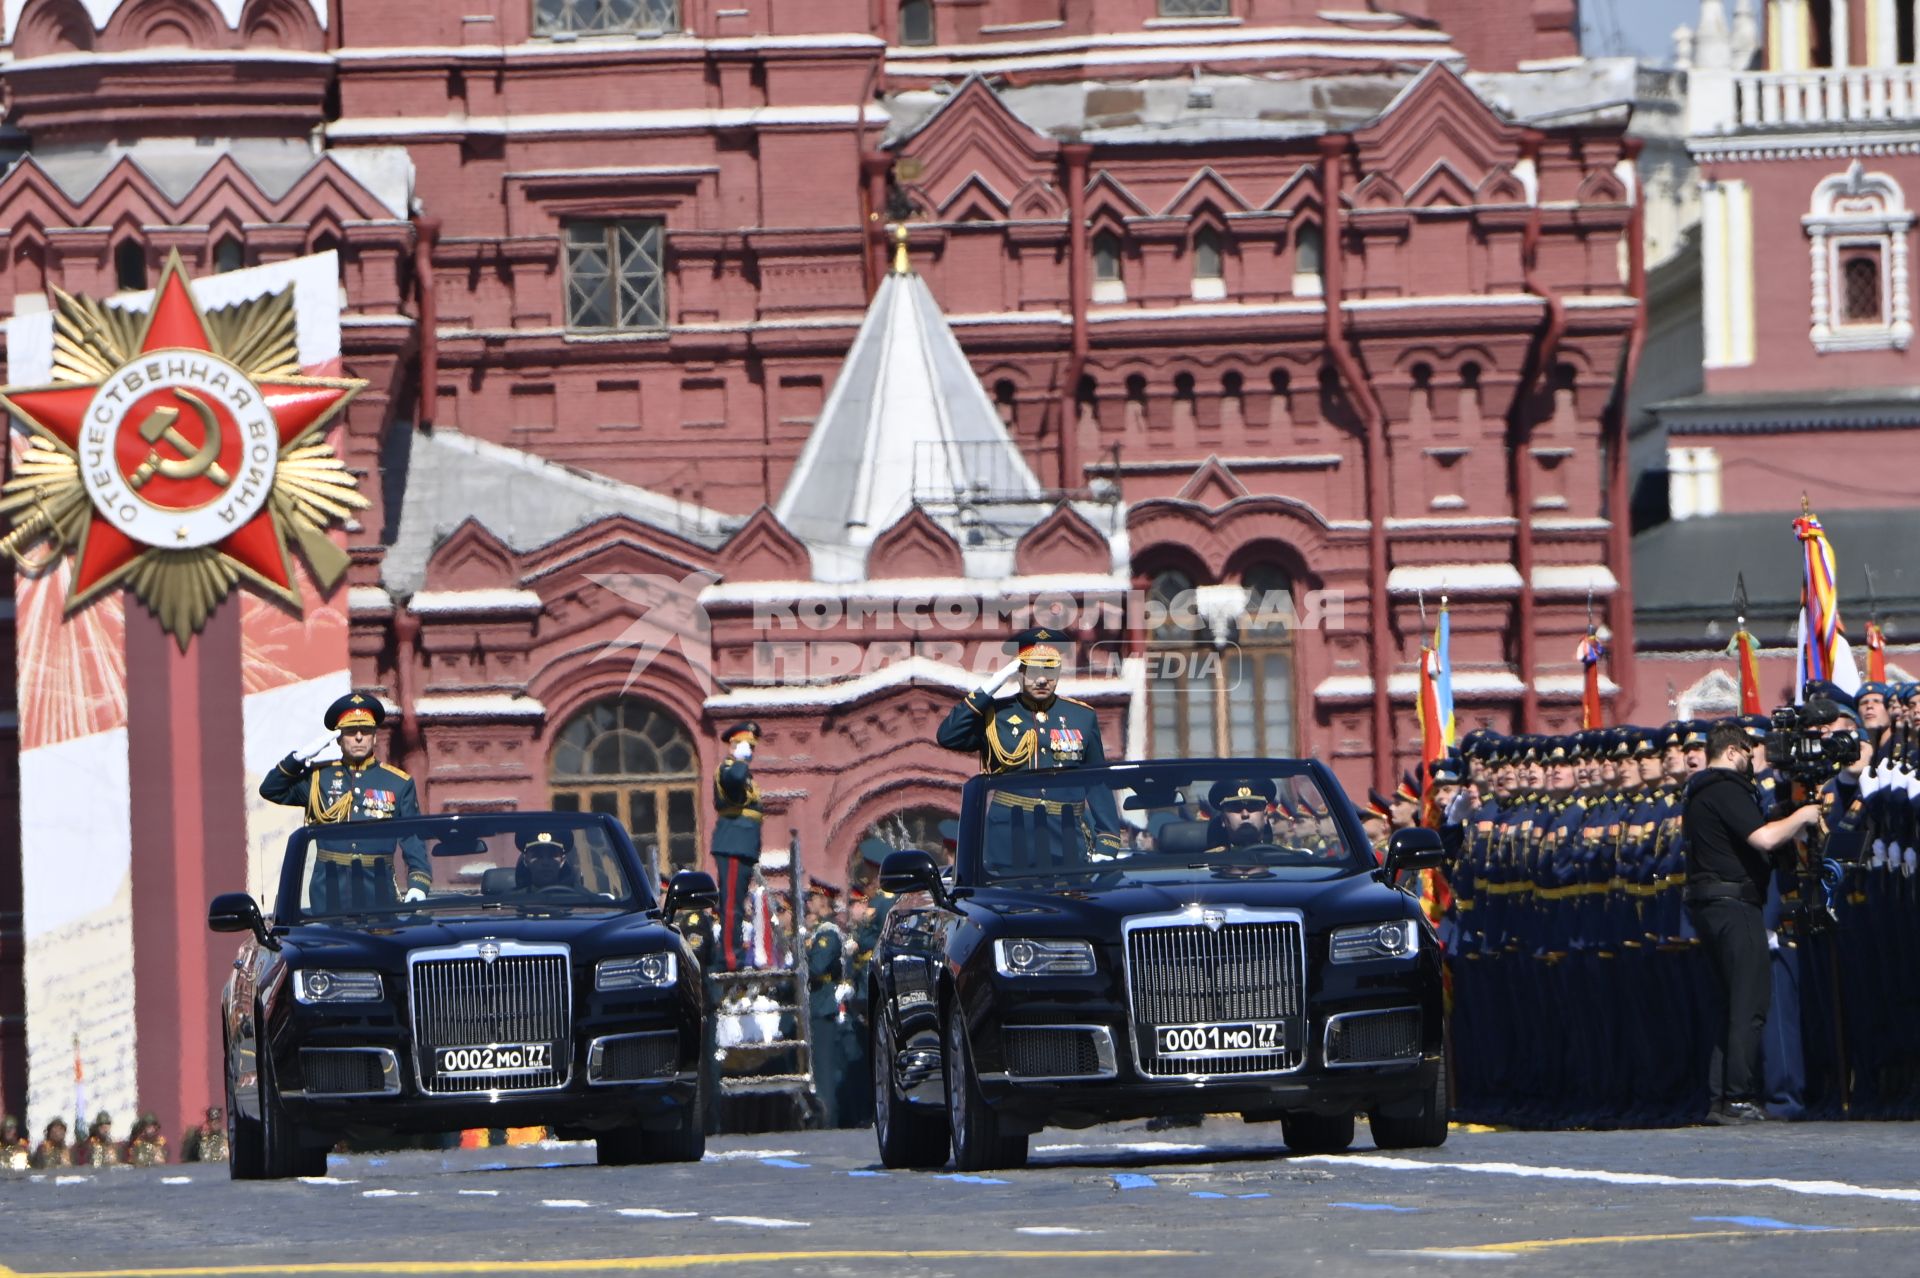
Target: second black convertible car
1145	939
535	983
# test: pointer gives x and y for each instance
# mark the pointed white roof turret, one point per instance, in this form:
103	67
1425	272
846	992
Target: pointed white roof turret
907	423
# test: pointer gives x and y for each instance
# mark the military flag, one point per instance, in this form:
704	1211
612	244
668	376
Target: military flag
1822	650
1742	650
1876	653
1589	654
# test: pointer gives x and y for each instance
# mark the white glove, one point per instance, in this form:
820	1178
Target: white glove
414	894
743	750
1006	672
317	747
1457	808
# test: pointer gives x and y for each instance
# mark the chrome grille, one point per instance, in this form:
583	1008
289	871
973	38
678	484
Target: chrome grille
1193	974
464	1001
1372	1038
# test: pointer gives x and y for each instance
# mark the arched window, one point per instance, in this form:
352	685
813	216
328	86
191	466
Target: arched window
130	265
909	828
629	758
1259	672
916	21
1107	285
1181	659
1220	665
1209	279
1309	251
1860	286
227	255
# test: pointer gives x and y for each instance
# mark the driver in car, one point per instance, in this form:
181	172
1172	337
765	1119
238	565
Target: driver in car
1241	813
543	863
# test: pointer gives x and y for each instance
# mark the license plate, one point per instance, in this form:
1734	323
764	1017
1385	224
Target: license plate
1204	1042
495	1058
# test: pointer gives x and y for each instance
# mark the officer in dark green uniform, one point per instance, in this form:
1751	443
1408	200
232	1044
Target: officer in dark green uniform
736	837
1036	728
352	873
828	992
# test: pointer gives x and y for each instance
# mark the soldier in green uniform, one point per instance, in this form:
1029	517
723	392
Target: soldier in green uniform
99	1149
828	993
52	1152
351	874
736	838
206	1143
15	1152
146	1147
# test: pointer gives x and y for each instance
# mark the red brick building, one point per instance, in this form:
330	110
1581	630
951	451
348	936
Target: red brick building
1216	301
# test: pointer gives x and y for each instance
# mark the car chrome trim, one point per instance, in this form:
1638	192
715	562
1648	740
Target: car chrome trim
563	1044
596	1052
389	1073
1214	916
1326	1041
1102	1048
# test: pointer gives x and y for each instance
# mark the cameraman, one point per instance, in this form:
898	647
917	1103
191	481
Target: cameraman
1729	849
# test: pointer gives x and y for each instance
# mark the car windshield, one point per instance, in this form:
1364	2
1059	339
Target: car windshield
1177	821
527	862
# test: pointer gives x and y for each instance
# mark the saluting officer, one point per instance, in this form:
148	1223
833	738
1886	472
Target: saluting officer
736	836
350	873
1036	727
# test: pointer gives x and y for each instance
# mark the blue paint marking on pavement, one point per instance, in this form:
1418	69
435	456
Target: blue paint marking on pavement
869	1173
1253	1195
782	1162
1132	1180
1204	1193
1372	1207
1762	1222
965	1179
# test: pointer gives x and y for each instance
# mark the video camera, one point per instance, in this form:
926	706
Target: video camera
1800	752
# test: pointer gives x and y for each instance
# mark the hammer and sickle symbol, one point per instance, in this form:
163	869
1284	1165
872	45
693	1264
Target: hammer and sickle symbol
192	462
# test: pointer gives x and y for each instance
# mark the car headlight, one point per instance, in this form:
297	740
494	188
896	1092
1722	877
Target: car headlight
1398	939
1043	958
643	972
328	985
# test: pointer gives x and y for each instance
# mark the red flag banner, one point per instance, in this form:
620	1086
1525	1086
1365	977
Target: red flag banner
1589	654
1876	653
1742	651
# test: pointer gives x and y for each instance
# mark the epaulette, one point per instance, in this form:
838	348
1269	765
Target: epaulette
1075	701
398	772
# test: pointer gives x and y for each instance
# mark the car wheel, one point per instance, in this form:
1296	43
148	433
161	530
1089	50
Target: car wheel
686	1142
909	1135
1317	1133
1426	1129
246	1148
281	1153
980	1141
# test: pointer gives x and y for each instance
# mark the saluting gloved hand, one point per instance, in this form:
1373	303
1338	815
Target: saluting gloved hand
1457	808
317	747
1006	672
414	894
743	750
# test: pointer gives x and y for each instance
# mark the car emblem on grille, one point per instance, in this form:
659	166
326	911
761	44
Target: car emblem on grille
489	951
1213	918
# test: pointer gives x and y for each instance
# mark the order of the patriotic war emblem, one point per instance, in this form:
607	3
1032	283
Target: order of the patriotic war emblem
175	452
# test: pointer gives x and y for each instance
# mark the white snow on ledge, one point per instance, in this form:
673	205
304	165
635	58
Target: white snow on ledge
368	601
1574	579
1454	579
447	603
1470	685
913	670
477	705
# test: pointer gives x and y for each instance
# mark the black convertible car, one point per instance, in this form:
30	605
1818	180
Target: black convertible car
1145	939
536	982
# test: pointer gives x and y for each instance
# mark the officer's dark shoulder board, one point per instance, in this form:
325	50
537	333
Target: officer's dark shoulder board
1075	701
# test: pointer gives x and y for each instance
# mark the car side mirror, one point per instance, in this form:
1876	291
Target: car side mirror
237	912
1413	849
911	870
688	889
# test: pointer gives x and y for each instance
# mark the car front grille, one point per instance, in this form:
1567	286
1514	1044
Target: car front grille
518	998
1234	973
1374	1038
632	1058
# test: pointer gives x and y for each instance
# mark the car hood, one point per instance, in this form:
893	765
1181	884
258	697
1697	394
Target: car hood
1351	898
389	943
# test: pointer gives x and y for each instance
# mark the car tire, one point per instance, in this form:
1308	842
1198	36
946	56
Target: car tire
909	1135
246	1148
1424	1130
282	1156
1317	1133
980	1139
686	1142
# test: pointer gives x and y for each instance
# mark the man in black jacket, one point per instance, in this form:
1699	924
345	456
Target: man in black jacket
1730	845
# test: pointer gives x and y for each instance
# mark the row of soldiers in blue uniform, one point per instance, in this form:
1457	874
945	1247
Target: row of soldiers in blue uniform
1580	994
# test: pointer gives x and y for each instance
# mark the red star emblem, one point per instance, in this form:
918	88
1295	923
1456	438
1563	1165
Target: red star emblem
178	448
